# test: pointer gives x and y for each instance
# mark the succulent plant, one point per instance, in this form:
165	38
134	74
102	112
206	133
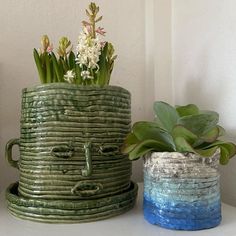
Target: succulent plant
179	129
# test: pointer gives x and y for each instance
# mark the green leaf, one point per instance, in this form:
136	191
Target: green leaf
218	143
87	13
131	139
146	146
136	154
127	148
221	131
60	64
98	19
48	69
201	123
207	152
158	122
79	79
71	61
182	145
231	148
187	110
224	156
166	114
57	68
211	135
103	74
53	72
38	63
63	65
180	131
129	143
228	150
150	130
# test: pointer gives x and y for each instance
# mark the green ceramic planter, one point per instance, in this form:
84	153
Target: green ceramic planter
70	142
67	211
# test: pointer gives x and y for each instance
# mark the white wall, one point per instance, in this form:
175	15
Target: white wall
180	51
159	50
204	65
22	22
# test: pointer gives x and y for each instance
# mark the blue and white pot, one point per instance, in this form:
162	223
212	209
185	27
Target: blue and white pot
182	191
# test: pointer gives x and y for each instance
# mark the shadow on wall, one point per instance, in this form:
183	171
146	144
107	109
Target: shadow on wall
227	186
204	96
9	122
206	86
137	170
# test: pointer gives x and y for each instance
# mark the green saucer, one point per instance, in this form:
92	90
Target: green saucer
69	211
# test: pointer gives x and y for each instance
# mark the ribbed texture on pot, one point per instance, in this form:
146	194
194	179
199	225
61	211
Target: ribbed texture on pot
57	122
181	191
66	211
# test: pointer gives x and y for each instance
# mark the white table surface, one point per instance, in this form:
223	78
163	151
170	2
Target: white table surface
131	223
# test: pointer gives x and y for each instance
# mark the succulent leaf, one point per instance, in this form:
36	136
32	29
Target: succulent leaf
211	135
150	130
207	152
185	129
182	145
230	147
221	131
227	145
146	146
201	123
139	152
224	155
166	114
127	148
187	110
181	131
129	143
131	139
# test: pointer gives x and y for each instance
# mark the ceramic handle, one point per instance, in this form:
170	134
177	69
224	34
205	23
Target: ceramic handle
87	171
86	188
8	152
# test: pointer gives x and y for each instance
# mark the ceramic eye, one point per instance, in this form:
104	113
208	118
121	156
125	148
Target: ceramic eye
109	149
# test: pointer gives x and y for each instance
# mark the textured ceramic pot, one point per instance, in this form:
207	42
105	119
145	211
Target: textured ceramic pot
69	211
70	142
181	191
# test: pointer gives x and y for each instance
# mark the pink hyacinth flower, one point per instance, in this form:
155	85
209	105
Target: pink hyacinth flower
89	29
100	31
103	44
50	48
85	23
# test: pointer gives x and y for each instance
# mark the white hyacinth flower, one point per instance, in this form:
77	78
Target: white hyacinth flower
88	50
69	76
86	75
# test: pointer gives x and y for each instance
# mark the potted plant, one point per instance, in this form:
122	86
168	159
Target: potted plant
72	128
181	151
